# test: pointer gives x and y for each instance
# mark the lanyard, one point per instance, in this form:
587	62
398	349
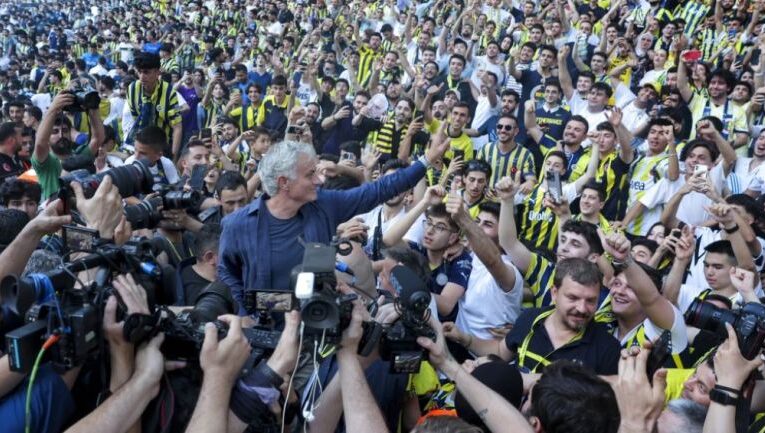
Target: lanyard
524	351
726	117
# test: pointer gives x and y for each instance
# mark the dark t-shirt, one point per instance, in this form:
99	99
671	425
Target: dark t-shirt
457	271
597	349
193	283
284	243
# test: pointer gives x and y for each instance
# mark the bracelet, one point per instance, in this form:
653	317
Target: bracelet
729	389
731	230
628	261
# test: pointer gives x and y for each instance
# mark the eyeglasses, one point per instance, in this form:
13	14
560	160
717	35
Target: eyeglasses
505	127
438	228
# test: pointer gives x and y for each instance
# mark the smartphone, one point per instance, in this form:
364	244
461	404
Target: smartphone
700	170
198	174
554	186
206	133
345	155
272	302
459	154
661	351
293	129
78	238
676	233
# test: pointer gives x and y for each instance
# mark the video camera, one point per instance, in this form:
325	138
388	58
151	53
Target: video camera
399	341
748	322
50	305
325	311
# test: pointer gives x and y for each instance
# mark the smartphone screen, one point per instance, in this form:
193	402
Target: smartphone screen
206	133
198	174
554	186
79	238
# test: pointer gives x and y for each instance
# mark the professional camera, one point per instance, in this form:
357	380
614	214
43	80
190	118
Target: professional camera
85	98
130	180
325	311
748	322
148	213
399	342
49	305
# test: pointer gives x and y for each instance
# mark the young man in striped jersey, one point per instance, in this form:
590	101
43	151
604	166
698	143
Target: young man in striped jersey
577	239
660	161
508	158
538	223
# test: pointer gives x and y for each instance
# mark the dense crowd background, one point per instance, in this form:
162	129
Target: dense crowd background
579	186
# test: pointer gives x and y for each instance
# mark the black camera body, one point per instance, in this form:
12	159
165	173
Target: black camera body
748	322
84	100
399	343
148	213
50	305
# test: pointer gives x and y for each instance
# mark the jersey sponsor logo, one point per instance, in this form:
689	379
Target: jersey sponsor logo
540	216
637	185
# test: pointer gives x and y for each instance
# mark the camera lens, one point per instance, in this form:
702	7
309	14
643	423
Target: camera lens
704	315
181	199
144	215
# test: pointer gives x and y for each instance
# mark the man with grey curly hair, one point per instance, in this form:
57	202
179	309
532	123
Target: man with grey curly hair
260	243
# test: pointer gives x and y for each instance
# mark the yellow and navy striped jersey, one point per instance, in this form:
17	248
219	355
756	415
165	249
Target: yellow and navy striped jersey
603	222
538	225
169	65
539	277
213	111
366	61
165	105
612	172
693	13
646	172
247	116
502	164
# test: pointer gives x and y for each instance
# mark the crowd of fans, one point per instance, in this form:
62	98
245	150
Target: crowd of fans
579	184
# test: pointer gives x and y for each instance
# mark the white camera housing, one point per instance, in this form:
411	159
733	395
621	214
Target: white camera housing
304	285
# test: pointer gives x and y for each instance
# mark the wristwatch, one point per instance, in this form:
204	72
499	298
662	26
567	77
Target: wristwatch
722	397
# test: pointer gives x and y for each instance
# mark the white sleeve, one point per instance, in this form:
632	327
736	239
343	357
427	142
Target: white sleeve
127	119
656	195
717	176
686	296
170	171
569	192
679	331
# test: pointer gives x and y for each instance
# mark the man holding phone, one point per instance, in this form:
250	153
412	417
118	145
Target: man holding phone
394	139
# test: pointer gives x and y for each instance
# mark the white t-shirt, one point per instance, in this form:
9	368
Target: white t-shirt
170	173
679	332
688	293
371	218
634	117
485	304
691	209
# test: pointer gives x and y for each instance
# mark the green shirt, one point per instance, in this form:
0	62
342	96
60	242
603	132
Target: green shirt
49	171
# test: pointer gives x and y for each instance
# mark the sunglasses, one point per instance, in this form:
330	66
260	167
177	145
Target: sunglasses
505	127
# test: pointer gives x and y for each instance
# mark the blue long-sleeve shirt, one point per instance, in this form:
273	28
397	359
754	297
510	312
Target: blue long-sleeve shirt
245	244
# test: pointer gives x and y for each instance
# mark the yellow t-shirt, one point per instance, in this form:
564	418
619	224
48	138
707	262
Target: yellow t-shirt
463	142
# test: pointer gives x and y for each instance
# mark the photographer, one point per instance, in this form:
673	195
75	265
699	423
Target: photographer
150	143
267	385
231	193
48	384
54	143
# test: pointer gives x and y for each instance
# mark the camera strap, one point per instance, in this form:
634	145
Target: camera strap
141	327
